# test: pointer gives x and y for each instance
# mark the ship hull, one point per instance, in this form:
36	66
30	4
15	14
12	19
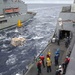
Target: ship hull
10	22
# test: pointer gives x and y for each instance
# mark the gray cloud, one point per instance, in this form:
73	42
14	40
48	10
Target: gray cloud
48	1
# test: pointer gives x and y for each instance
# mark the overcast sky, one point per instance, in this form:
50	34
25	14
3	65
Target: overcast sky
48	1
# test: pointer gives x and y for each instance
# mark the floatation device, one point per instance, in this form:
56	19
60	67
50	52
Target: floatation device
19	24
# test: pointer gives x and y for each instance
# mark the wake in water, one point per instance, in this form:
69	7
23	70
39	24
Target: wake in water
38	32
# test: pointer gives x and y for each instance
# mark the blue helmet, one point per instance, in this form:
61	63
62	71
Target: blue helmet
58	50
57	53
41	54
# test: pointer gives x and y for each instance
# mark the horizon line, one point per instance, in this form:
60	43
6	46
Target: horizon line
48	3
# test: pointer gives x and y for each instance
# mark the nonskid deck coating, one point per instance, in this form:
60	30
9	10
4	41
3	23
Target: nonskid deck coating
52	47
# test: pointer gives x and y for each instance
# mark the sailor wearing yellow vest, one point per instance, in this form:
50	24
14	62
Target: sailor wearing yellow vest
19	24
48	64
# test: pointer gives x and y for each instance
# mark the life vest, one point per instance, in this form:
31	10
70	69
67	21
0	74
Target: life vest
41	57
48	59
48	63
67	60
39	64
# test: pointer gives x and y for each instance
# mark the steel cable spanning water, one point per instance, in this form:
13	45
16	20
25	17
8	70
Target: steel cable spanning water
37	32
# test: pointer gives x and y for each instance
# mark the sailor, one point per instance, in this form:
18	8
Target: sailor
58	40
63	66
42	59
56	57
48	64
60	69
48	54
39	63
66	42
67	60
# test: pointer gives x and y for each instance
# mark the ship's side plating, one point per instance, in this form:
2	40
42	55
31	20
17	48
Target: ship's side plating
67	25
11	11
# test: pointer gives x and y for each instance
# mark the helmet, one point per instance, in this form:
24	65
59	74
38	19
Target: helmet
56	52
49	53
41	54
60	66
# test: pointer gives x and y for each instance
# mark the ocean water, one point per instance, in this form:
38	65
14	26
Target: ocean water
37	32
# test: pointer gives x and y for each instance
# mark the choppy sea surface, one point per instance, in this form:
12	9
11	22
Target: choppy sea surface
37	32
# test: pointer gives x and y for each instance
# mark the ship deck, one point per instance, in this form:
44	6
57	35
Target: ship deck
52	47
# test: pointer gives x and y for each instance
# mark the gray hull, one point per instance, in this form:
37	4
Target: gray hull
13	21
68	26
11	11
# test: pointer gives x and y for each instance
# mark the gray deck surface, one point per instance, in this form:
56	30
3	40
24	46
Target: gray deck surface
52	47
